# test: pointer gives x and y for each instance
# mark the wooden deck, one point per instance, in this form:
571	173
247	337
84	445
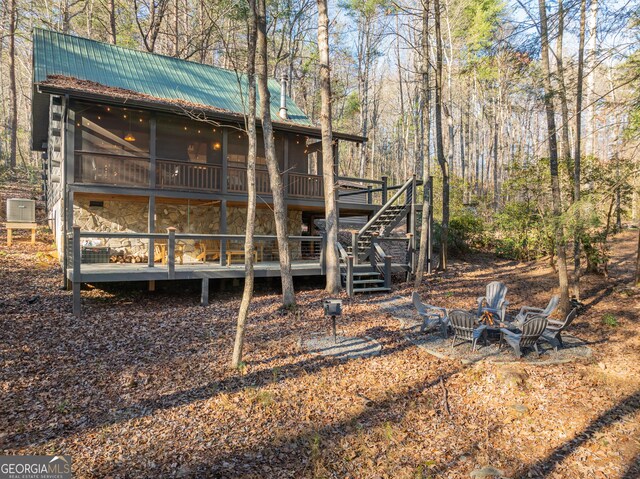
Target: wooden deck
116	272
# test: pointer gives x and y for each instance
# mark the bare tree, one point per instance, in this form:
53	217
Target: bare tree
442	160
13	94
578	151
249	246
425	137
149	15
331	214
553	158
277	186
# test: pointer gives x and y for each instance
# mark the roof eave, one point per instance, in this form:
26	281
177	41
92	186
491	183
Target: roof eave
159	105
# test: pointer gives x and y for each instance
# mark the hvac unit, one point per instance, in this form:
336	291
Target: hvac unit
21	211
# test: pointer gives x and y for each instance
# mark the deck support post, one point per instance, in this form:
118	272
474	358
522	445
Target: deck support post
323	254
204	297
225	162
152	285
354	247
151	227
171	252
385	182
387	271
429	213
412	222
223	230
77	259
350	276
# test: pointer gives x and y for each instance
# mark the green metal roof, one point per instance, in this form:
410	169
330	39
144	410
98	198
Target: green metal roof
148	73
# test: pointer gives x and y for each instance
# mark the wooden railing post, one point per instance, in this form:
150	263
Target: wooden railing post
350	276
413	222
354	247
385	183
387	271
372	252
171	252
369	195
429	225
223	230
77	260
323	254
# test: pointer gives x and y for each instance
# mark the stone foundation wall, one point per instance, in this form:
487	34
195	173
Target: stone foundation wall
132	216
114	216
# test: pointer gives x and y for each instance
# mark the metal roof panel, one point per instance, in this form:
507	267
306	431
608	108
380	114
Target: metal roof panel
148	73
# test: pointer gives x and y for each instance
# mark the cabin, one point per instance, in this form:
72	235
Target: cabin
144	166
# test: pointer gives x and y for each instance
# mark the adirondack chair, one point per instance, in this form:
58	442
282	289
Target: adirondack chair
209	250
527	311
161	251
527	337
494	301
431	315
464	327
553	333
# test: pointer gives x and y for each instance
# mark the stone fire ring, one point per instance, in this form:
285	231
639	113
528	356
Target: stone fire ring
344	347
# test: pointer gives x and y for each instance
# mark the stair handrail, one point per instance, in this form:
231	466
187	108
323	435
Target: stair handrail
348	260
342	252
387	205
386	260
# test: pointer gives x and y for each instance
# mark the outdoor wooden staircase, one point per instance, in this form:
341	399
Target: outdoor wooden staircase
385	220
364	266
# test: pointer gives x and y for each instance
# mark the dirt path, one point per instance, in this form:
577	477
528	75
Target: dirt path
139	387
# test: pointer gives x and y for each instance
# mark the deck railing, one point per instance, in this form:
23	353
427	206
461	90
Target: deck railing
304	248
108	169
191	176
305	186
237	180
128	170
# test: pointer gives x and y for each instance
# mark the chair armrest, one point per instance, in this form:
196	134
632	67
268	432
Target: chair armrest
531	309
511	334
481	299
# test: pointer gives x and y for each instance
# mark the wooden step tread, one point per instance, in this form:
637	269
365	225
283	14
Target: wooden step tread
371	290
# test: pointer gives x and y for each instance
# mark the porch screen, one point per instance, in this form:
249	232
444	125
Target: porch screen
111	130
183	139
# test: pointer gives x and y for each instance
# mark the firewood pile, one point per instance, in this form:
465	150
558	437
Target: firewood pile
122	257
487	318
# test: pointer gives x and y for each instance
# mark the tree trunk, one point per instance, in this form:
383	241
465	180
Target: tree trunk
637	280
249	247
13	94
562	90
112	21
442	160
577	152
331	213
425	130
591	75
553	160
277	187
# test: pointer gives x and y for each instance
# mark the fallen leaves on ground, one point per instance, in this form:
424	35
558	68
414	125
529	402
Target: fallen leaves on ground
140	385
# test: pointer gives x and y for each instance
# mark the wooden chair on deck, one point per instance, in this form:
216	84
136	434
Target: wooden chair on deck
209	250
161	250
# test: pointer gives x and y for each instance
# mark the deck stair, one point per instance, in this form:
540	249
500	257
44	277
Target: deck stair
385	220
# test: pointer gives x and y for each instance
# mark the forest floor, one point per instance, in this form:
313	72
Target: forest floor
140	385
